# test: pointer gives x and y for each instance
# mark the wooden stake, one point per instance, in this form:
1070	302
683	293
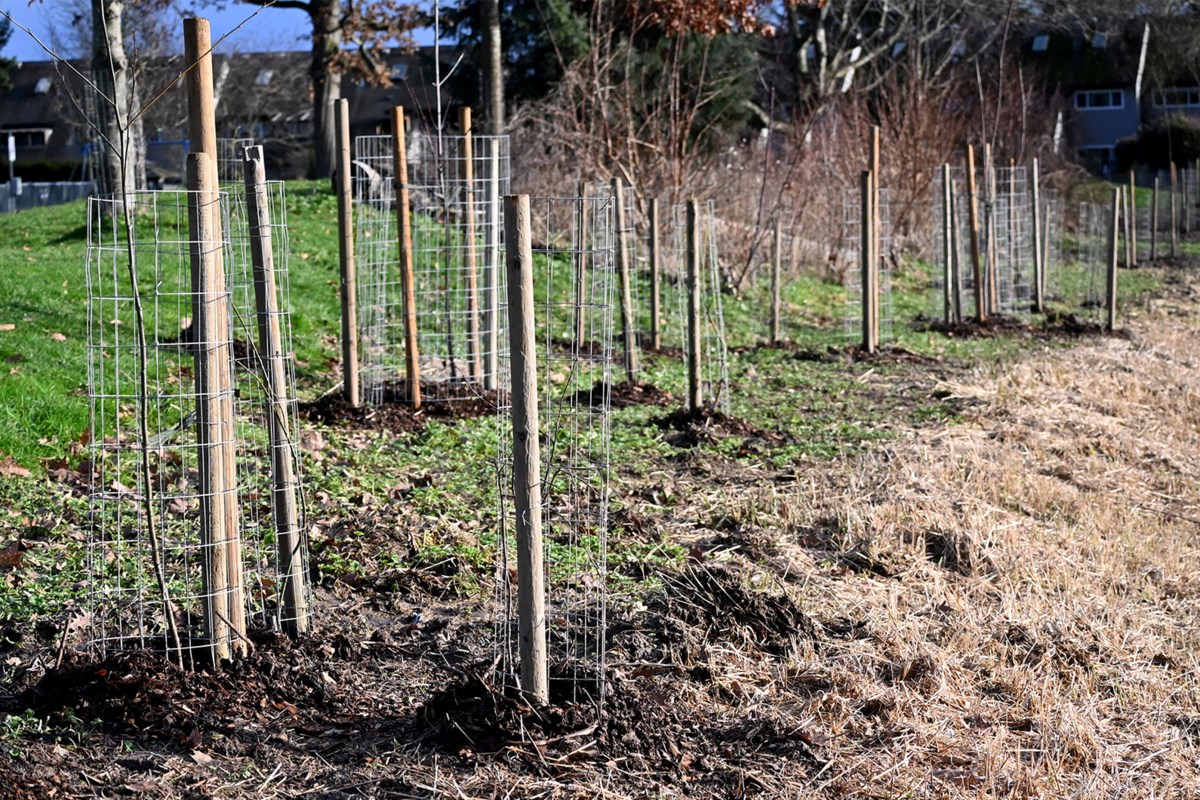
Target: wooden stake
1039	300
293	595
695	384
947	246
468	177
1174	196
208	295
973	223
1154	221
1133	231
655	277
1045	252
491	284
581	221
1127	218
867	262
527	471
202	133
876	170
1113	251
777	283
992	266
625	278
412	353
956	253
349	282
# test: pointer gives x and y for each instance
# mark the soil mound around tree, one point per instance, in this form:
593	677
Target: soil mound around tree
448	401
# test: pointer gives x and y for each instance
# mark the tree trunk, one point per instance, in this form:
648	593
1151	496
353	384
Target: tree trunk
123	165
327	82
493	65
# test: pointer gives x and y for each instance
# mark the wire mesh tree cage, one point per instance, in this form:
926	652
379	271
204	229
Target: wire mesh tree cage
714	349
1078	284
149	566
575	291
455	186
852	321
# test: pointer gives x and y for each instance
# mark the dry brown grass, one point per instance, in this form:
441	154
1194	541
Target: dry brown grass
1028	609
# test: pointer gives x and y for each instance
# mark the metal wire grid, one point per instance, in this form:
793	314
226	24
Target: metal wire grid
852	322
714	362
458	274
1078	283
951	246
639	269
266	569
575	379
1012	220
145	559
1052	238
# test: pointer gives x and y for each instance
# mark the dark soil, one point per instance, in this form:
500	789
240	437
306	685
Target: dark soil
446	401
623	395
709	425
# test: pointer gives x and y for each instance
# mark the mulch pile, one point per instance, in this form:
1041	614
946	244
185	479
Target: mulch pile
448	401
709	425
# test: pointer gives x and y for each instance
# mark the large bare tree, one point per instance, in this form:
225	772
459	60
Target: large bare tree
347	38
123	165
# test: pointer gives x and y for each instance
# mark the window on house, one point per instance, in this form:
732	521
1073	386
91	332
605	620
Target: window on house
42	86
1041	43
399	72
36	137
1101	100
1178	98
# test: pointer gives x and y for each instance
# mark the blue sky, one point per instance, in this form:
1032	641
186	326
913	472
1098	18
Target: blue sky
272	29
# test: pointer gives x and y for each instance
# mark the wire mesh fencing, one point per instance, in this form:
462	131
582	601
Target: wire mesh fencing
1011	239
575	291
1077	283
713	345
152	563
455	186
951	279
852	321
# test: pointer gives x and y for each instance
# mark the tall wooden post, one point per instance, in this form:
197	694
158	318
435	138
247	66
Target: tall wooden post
956	253
1174	196
777	283
655	278
1046	252
491	283
866	265
1154	221
695	384
991	265
625	279
876	170
349	282
947	247
211	345
293	595
581	267
1133	231
202	134
1113	251
1039	300
527	470
412	353
474	359
1127	225
973	222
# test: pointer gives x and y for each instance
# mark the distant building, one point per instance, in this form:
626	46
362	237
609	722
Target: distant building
266	97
